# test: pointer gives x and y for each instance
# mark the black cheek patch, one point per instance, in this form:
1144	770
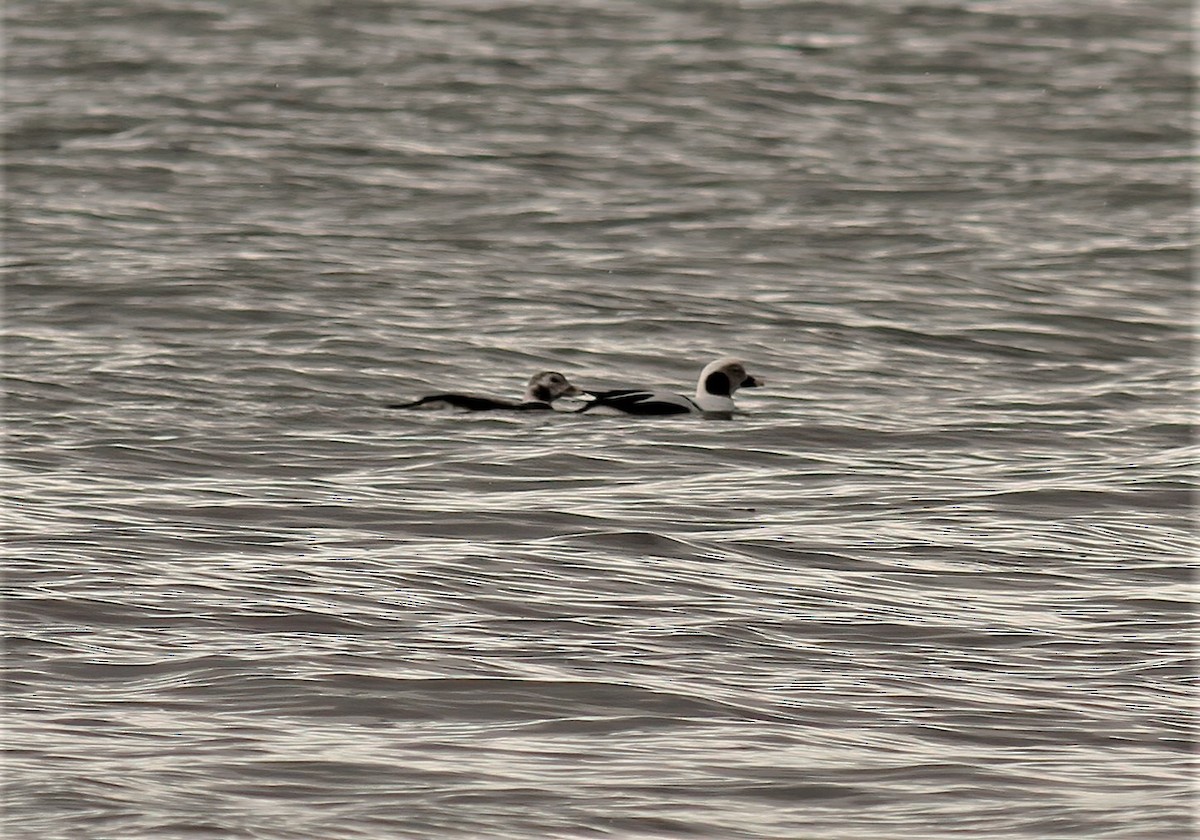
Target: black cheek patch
542	393
717	383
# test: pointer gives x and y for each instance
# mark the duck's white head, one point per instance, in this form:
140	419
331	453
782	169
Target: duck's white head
718	382
548	386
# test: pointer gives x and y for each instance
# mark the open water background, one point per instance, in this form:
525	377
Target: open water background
934	582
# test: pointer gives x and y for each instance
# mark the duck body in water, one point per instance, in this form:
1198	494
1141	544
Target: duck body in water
541	392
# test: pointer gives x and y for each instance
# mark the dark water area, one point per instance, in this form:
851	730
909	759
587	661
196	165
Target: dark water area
935	579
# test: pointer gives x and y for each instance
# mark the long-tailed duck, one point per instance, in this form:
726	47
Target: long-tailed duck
542	390
714	394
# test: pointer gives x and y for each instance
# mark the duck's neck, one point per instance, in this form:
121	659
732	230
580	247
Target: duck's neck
538	393
712	402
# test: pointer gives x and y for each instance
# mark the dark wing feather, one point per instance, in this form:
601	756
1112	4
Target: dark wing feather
464	401
634	402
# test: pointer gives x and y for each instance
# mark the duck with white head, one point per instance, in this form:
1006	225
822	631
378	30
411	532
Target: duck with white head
715	388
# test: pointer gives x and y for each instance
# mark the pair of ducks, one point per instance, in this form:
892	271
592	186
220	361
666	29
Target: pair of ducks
714	393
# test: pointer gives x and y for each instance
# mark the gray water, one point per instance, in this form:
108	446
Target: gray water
933	581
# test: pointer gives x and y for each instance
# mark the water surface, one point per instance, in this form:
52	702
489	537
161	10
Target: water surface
934	581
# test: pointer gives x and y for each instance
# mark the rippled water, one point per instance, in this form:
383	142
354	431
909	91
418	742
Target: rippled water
935	581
